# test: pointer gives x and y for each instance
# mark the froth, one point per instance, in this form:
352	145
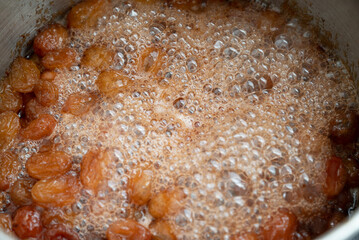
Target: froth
237	117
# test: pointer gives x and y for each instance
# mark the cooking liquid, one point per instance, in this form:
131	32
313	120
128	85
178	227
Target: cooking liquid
237	116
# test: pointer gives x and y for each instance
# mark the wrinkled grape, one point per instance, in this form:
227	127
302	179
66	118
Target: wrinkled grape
162	230
20	192
60	191
46	93
281	226
86	14
48	164
79	103
127	229
61	58
9	169
97	57
166	203
41	127
27	222
112	82
60	231
336	177
140	187
9	128
24	74
5	222
52	38
10	100
93	168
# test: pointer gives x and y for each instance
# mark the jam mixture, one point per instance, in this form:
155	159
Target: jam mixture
178	119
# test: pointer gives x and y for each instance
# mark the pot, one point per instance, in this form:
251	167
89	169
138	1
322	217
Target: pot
337	20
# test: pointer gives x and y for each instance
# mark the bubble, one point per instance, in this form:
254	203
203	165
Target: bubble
139	130
236	184
251	86
282	41
230	53
207	88
120	60
218	44
239	33
181	220
133	13
296	92
257	53
179	103
156	29
192	65
217	91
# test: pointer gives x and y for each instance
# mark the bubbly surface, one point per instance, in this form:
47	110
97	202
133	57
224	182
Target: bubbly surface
230	105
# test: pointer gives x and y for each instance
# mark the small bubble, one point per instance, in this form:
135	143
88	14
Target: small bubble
257	53
236	185
120	60
139	130
191	65
181	220
133	13
296	92
168	75
207	88
179	103
230	53
251	86
239	33
217	91
282	41
218	44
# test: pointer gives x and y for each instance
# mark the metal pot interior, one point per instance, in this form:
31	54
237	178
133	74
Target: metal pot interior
337	20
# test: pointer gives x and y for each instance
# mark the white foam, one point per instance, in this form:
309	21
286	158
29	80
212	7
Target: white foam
239	151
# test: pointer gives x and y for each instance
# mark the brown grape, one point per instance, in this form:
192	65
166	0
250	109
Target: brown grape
33	109
344	128
140	187
39	128
60	231
93	168
61	58
20	192
162	230
48	164
112	82
56	192
97	57
9	169
23	75
5	222
166	203
79	103
336	177
10	100
52	38
54	216
281	226
150	60
46	93
127	229
27	222
9	128
86	14
48	75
